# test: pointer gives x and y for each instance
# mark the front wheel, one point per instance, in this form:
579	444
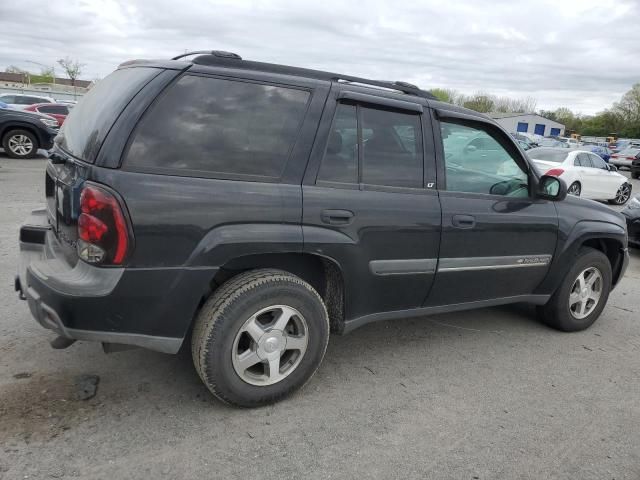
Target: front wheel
583	294
261	336
20	144
574	189
622	195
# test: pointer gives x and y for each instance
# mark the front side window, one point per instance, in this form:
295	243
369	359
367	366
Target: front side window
598	162
390	150
477	163
583	160
208	126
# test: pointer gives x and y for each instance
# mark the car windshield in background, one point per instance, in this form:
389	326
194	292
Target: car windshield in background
630	152
547	155
550	142
88	123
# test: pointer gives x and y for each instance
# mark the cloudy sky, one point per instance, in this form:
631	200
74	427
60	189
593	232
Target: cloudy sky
583	54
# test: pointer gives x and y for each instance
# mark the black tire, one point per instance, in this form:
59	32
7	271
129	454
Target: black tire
222	317
12	152
635	175
576	188
622	197
557	312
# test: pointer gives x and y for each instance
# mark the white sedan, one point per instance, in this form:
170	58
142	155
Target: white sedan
586	174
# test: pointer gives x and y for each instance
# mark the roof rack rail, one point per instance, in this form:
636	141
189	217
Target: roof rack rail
226	59
215	53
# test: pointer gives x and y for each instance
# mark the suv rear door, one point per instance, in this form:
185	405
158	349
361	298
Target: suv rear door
369	201
497	240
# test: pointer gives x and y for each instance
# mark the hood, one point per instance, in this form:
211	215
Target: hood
24	113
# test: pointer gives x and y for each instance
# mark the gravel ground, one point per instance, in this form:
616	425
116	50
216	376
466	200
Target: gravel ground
486	394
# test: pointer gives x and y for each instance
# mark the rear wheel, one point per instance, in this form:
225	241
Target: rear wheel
261	336
20	144
583	294
635	174
622	195
574	189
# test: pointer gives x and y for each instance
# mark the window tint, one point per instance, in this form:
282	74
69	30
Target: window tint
8	99
477	163
57	109
207	125
340	162
583	159
90	120
598	162
392	155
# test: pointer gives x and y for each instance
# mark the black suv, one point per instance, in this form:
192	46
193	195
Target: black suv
23	133
252	208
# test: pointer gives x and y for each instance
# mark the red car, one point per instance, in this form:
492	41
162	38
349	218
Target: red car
58	111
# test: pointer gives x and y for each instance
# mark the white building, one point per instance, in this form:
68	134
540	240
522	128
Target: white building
528	123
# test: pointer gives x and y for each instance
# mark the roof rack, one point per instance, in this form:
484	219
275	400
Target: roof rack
215	53
228	59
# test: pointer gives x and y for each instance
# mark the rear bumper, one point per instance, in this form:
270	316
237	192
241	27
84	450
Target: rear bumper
620	162
150	308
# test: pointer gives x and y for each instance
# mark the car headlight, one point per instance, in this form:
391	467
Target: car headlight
49	122
634	203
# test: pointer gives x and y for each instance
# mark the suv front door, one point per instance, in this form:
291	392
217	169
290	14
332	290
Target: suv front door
370	203
497	239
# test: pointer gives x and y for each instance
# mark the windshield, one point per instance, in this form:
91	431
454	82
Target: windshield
91	119
547	155
631	152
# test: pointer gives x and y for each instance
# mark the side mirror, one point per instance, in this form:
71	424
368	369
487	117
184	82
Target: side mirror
612	168
552	188
470	149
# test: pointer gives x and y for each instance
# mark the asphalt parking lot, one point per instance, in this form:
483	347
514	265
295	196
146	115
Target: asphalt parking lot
485	394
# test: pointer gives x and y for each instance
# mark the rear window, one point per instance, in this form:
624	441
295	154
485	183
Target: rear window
557	156
91	119
212	127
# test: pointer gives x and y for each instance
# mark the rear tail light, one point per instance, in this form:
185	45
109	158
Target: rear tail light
555	172
103	231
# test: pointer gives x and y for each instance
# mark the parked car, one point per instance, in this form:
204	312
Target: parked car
586	173
603	152
20	101
288	204
625	157
632	215
23	133
635	168
58	111
571	142
524	145
524	138
550	142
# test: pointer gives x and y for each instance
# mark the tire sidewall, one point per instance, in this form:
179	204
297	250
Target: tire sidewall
588	258
32	137
218	366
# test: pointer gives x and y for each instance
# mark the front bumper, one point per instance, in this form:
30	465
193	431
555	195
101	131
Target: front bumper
633	229
145	307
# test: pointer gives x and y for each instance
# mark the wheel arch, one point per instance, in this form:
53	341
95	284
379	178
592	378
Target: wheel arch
609	238
20	126
324	274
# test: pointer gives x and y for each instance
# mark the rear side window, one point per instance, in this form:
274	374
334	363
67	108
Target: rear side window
57	109
91	119
392	155
205	126
390	148
583	160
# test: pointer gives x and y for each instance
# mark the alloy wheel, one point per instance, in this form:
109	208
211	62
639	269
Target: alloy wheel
574	189
270	345
623	194
20	145
585	293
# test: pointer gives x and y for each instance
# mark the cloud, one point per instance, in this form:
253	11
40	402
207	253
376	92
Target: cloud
581	54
